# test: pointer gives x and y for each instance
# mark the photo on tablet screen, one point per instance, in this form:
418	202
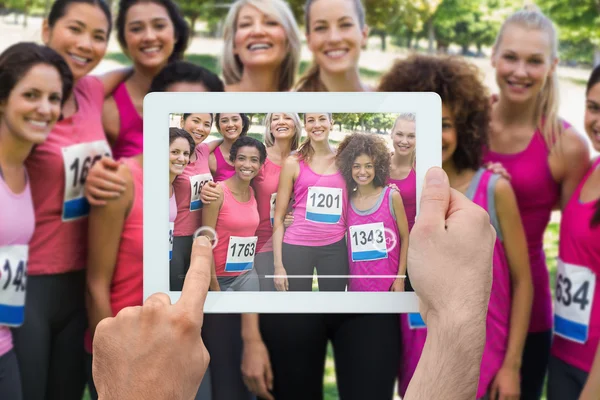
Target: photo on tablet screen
307	211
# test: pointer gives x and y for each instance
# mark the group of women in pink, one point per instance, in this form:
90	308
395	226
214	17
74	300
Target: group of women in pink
71	163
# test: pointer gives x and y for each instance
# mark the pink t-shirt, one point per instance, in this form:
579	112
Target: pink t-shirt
127	281
265	185
374	228
408	192
537	193
130	141
224	169
577	312
481	192
58	169
320	208
187	187
236	228
17	218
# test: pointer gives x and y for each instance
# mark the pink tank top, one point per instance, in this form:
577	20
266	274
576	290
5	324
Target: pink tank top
265	184
130	141
17	218
127	281
320	207
408	191
224	169
236	230
373	245
537	193
58	169
577	303
187	188
481	192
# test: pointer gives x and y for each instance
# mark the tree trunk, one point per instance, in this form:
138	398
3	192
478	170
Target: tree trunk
431	34
383	36
193	19
465	49
409	38
479	51
596	56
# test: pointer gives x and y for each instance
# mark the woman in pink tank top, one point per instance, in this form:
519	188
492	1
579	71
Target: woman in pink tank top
115	257
574	367
151	33
465	116
231	127
35	80
545	157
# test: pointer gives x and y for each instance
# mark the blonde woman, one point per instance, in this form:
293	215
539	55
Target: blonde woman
261	49
545	157
336	31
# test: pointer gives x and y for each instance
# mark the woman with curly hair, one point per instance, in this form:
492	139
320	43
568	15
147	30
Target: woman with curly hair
377	224
465	123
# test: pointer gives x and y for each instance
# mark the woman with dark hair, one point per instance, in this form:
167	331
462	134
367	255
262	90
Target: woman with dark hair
231	126
574	367
34	83
49	344
465	123
183	76
151	33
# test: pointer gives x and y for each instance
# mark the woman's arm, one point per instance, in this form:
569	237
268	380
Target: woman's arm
111	120
402	222
210	214
111	79
287	177
105	226
256	366
213	144
573	161
506	382
212	163
591	390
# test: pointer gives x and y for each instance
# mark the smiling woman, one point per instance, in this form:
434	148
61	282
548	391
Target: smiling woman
151	33
261	49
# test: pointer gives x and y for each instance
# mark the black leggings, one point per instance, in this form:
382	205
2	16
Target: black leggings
331	259
49	345
10	381
565	382
534	364
180	261
264	265
366	350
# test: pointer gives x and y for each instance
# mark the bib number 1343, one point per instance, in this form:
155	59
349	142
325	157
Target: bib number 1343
575	286
13	272
78	160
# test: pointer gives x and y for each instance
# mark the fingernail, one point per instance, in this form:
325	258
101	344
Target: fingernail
435	177
203	241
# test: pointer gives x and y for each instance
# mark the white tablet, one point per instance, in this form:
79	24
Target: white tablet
162	109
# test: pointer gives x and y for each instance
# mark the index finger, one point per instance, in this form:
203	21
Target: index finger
197	279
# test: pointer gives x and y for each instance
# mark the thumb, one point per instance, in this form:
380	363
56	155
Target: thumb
109	163
435	199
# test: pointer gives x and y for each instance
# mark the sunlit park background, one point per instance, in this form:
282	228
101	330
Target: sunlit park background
398	27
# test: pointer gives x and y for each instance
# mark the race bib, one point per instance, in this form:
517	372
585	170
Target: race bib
575	287
13	272
272	212
415	321
78	159
324	205
171	228
196	184
367	242
240	253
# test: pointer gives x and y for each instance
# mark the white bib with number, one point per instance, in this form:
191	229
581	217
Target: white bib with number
367	242
240	253
415	321
196	184
272	211
575	286
78	160
13	272
324	205
171	228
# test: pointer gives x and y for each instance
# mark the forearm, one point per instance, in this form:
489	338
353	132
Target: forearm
278	231
403	256
451	359
250	328
591	390
98	306
519	324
